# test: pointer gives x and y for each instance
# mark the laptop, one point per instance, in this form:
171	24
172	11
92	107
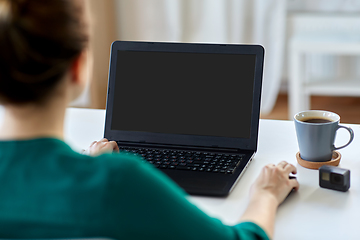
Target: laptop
192	110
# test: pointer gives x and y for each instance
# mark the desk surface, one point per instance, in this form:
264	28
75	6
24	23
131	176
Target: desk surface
310	213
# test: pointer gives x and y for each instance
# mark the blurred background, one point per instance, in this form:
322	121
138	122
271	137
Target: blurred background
312	46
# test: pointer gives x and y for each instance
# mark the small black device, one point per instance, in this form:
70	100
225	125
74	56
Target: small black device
334	178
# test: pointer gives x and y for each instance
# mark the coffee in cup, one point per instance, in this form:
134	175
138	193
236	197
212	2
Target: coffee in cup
317	120
316	131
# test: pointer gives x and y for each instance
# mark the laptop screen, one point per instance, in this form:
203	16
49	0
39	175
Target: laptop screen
204	94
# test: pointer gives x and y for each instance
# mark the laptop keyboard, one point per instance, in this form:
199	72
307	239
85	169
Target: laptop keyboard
188	160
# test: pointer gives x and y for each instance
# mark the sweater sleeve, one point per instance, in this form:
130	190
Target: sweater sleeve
156	208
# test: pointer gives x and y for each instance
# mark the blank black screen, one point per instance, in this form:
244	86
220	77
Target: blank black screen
184	93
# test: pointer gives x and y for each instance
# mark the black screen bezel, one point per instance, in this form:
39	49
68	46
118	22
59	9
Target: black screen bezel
178	139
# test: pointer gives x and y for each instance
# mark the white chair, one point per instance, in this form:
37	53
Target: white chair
330	34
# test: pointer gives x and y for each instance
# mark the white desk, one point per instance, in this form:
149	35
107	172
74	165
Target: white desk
311	213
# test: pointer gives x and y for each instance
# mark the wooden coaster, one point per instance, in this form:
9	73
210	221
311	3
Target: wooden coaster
316	165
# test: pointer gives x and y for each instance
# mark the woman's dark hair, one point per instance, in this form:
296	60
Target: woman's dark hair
39	39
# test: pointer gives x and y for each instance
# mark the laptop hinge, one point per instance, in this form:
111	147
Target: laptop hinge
193	148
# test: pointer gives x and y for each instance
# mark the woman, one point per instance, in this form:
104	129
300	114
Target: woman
48	190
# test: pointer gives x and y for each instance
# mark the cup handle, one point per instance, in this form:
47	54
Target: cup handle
351	137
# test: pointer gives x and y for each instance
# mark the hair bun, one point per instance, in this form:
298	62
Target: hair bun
5	10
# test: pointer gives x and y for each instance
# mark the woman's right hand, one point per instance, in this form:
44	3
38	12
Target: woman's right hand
274	181
267	192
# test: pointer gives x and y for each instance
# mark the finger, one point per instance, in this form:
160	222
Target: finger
93	143
294	184
115	146
282	164
290	169
104	140
270	165
97	146
106	147
267	169
109	145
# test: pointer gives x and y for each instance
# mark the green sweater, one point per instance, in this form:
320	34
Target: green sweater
49	191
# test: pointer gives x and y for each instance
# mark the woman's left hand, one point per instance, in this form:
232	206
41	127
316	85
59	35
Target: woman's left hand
102	146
